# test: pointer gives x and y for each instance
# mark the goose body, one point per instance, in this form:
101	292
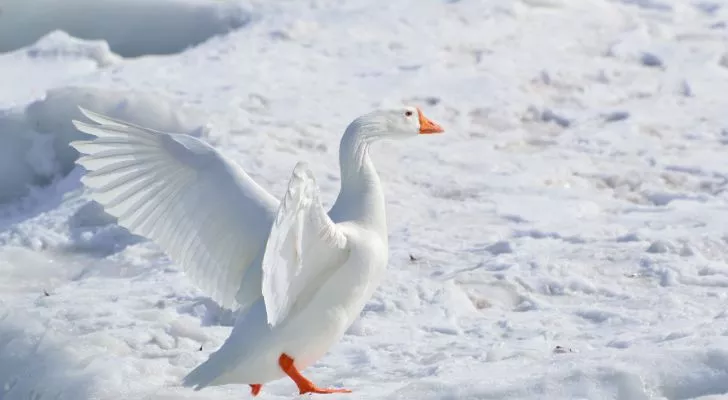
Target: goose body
254	347
298	275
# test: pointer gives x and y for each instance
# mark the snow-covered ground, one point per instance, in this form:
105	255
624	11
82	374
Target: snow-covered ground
567	238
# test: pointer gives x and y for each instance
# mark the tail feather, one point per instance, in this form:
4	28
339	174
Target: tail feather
204	375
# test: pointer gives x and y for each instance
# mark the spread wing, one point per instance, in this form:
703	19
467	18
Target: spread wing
200	207
304	247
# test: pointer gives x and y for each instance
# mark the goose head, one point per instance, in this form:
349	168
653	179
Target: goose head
397	123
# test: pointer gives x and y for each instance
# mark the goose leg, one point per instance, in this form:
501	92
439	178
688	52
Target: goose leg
304	385
255	388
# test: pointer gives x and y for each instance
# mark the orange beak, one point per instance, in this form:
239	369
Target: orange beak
427	126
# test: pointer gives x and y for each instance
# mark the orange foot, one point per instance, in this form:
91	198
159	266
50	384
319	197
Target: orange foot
304	385
255	388
314	389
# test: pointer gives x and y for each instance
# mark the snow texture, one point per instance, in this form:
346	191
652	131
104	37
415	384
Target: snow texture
566	238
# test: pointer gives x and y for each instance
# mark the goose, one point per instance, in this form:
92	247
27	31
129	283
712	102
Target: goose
299	276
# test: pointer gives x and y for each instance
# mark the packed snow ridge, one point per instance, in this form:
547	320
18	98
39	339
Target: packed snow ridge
131	27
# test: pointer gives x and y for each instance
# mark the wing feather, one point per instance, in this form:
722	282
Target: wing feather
304	244
201	208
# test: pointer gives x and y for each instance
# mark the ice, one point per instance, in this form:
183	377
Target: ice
566	238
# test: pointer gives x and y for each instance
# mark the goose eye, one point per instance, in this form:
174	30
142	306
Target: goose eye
408	113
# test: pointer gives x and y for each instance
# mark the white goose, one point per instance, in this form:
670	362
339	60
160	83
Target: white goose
299	275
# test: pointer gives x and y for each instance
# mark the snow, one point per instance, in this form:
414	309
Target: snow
131	27
564	239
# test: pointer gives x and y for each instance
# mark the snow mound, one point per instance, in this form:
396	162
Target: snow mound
34	140
131	27
59	45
